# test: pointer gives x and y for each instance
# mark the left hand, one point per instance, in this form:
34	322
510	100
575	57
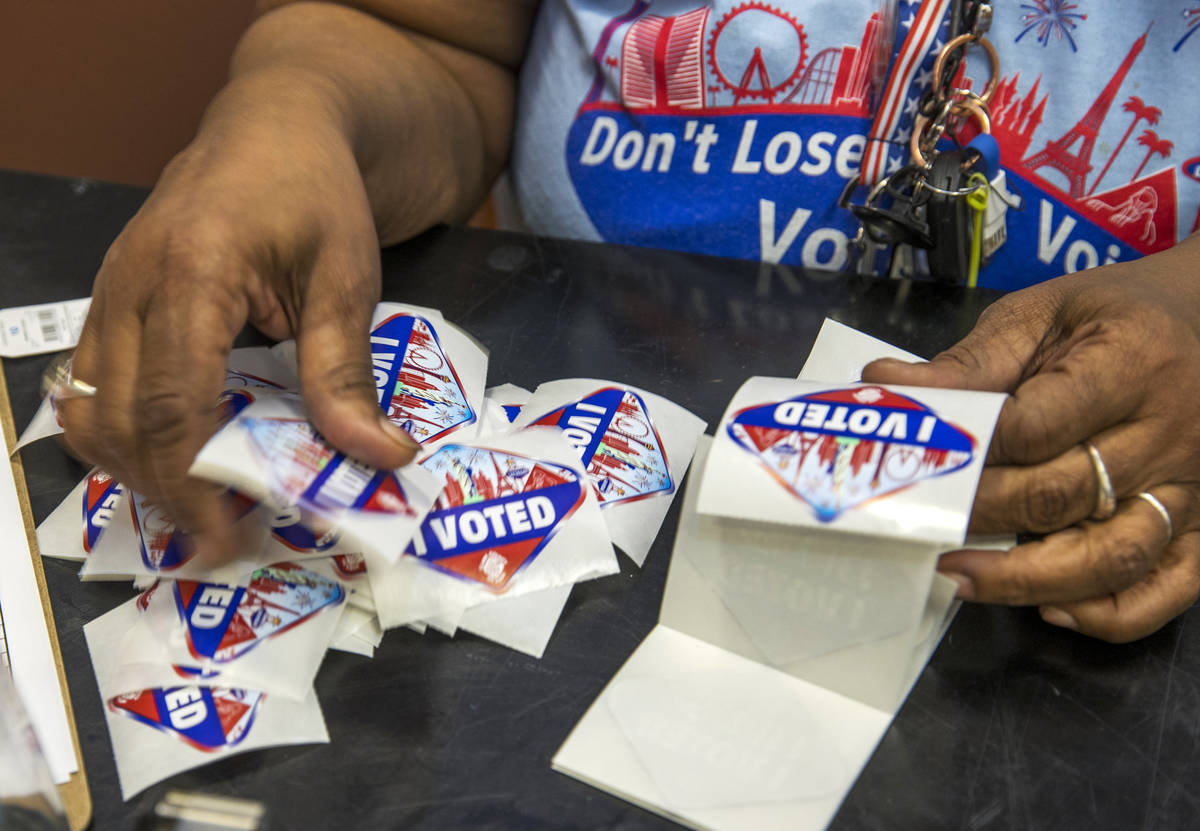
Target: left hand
1110	356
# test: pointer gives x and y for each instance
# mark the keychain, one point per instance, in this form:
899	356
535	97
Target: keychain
940	202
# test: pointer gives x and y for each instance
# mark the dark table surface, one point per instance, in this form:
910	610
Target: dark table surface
1013	725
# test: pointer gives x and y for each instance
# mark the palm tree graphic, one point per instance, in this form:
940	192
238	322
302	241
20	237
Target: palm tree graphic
1153	144
1141	112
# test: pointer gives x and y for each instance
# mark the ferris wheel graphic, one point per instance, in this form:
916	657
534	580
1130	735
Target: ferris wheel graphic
762	47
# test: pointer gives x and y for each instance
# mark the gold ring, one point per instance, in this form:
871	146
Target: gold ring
1153	502
1106	498
61	384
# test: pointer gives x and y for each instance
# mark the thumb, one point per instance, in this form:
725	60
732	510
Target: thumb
334	357
994	356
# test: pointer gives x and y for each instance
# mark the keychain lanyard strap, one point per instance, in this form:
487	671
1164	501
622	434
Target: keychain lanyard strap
917	43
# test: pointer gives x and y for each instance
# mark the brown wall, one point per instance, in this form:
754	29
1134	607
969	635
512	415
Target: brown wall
109	89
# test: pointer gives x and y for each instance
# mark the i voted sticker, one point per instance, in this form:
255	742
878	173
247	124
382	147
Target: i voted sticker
162	549
207	718
612	431
304	469
842	448
222	623
162	546
292	527
349	566
417	385
497	512
101	498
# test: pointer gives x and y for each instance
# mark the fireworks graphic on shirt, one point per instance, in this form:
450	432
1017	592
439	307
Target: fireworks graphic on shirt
1051	18
1191	18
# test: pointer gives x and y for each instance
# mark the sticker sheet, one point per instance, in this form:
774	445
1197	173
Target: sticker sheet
271	453
635	446
515	515
269	635
187	721
429	374
896	462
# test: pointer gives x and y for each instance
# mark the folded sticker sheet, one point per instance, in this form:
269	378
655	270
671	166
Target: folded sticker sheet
788	639
635	445
516	515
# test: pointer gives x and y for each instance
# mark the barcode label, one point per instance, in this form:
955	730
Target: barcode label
49	327
48	321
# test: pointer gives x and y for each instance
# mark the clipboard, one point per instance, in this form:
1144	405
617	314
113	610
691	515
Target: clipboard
76	799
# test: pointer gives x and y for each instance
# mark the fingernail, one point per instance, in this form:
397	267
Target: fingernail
966	586
397	435
1057	617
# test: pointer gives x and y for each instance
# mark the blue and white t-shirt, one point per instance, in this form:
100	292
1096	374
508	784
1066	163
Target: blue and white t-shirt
731	128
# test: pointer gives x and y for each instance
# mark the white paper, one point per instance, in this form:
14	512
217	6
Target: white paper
524	623
651	767
62	533
43	425
30	654
636	447
840	353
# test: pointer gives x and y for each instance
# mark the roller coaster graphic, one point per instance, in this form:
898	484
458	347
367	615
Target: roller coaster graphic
755	55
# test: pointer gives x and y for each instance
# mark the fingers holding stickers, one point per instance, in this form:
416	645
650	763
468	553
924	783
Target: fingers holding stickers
229	236
1098	448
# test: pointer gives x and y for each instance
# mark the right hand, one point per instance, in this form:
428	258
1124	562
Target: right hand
265	223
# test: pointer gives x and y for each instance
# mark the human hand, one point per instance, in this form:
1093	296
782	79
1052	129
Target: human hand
269	224
1112	357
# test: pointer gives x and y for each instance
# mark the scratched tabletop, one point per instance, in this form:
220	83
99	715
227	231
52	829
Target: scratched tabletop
1013	725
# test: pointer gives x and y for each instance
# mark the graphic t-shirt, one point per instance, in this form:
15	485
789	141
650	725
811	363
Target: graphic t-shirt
731	128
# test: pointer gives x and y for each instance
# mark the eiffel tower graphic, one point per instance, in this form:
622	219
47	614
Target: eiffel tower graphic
1076	165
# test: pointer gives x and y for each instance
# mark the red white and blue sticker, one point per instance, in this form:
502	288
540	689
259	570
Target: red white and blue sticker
292	528
162	547
497	512
842	448
612	431
417	385
306	471
207	718
101	497
222	623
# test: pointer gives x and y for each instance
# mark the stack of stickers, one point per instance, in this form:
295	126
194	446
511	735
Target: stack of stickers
515	497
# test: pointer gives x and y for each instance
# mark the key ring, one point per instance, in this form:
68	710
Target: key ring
938	129
994	61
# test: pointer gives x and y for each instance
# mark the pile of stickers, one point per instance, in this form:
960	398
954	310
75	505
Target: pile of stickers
515	497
